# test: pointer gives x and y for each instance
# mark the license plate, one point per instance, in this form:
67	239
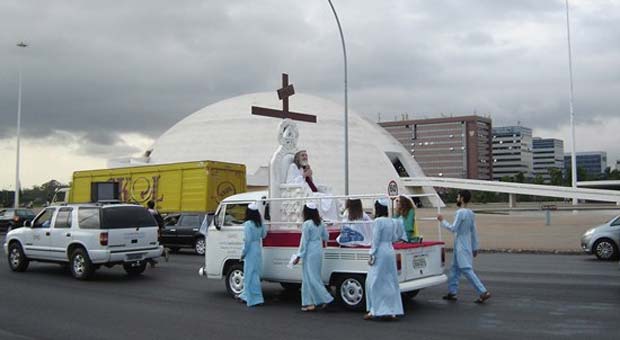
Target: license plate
419	261
133	257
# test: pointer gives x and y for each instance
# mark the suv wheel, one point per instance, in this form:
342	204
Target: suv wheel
200	246
18	262
134	269
350	291
234	280
81	267
605	249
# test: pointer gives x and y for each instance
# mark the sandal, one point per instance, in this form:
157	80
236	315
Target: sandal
310	308
368	316
483	297
450	297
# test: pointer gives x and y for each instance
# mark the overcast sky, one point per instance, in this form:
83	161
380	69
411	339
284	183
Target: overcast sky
103	79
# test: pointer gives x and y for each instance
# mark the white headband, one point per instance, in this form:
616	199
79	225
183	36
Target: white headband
252	206
311	205
384	202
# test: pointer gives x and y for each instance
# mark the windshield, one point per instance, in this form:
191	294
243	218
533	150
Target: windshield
127	217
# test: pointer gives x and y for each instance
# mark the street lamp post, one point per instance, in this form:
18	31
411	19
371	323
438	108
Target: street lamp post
21	45
570	104
346	105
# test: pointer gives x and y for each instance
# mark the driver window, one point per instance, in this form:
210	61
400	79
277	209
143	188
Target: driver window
44	220
234	214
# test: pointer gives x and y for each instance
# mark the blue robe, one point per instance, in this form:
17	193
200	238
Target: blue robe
382	289
465	237
252	293
313	290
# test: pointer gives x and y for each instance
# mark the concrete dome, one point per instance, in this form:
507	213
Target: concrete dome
227	131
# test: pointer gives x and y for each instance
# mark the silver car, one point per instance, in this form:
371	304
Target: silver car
603	241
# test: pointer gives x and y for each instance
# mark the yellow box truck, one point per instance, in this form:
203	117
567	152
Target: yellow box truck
176	187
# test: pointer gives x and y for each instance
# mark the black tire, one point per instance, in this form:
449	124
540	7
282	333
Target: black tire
351	291
605	249
234	280
81	266
18	262
134	269
200	246
290	287
410	295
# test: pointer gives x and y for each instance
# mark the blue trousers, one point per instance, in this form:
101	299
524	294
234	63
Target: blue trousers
455	275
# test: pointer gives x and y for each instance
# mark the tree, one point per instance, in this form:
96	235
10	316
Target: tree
539	179
556	176
520	177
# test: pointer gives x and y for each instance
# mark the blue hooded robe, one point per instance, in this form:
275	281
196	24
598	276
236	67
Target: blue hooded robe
252	293
313	290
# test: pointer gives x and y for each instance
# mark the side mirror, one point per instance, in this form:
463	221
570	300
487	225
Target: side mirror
217	223
28	224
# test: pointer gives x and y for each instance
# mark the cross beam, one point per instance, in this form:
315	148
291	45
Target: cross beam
283	94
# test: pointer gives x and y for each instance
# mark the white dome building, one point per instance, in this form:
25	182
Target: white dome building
227	131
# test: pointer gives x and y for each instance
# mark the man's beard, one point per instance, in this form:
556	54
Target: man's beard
303	163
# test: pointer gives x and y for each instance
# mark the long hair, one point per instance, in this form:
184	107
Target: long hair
380	210
404	205
312	214
254	216
355	210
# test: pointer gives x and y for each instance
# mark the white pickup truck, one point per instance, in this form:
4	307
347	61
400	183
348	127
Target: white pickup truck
419	265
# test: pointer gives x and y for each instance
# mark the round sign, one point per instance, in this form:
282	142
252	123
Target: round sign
393	188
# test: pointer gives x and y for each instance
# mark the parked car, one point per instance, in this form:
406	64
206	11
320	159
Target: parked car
183	231
86	237
13	218
604	240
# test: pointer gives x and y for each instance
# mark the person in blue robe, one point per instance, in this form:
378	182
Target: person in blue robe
465	249
383	298
313	233
251	255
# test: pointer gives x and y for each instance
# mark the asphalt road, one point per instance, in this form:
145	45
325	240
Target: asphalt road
534	296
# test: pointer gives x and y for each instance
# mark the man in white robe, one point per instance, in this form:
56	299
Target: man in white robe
300	172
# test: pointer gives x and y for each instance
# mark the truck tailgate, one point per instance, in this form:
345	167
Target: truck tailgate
132	239
419	262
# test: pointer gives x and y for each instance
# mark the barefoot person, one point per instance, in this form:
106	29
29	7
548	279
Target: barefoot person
313	233
465	249
251	254
382	290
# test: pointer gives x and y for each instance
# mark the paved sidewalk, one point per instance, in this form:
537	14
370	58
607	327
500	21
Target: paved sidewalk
522	230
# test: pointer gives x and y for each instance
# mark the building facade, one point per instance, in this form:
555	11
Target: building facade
548	153
455	147
594	162
512	152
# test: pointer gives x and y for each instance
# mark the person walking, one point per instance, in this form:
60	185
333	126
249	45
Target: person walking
251	255
313	233
465	249
383	298
160	225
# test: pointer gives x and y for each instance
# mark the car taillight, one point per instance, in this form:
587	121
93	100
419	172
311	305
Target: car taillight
399	263
443	256
103	239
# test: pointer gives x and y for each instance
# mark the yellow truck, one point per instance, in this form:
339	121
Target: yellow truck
176	187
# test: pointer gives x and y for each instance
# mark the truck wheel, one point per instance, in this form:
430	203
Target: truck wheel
200	246
350	291
134	269
410	295
605	249
81	267
18	262
234	280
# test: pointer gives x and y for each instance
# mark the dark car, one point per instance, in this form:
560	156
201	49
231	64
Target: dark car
11	218
183	231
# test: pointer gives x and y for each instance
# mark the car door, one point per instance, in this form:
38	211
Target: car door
188	226
169	233
61	236
39	245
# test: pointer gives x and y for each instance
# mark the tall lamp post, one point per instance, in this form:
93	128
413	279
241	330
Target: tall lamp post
21	45
570	105
346	105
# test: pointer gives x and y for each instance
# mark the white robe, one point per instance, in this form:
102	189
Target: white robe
329	207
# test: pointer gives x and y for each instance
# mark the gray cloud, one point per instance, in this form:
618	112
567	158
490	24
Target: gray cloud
100	69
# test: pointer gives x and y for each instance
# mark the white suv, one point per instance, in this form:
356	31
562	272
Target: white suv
86	237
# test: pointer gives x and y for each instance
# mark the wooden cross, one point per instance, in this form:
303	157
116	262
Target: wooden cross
283	93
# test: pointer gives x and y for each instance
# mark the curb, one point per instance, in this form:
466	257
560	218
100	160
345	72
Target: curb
527	251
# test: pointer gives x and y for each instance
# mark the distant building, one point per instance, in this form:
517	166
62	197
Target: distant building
594	162
512	152
455	147
548	153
